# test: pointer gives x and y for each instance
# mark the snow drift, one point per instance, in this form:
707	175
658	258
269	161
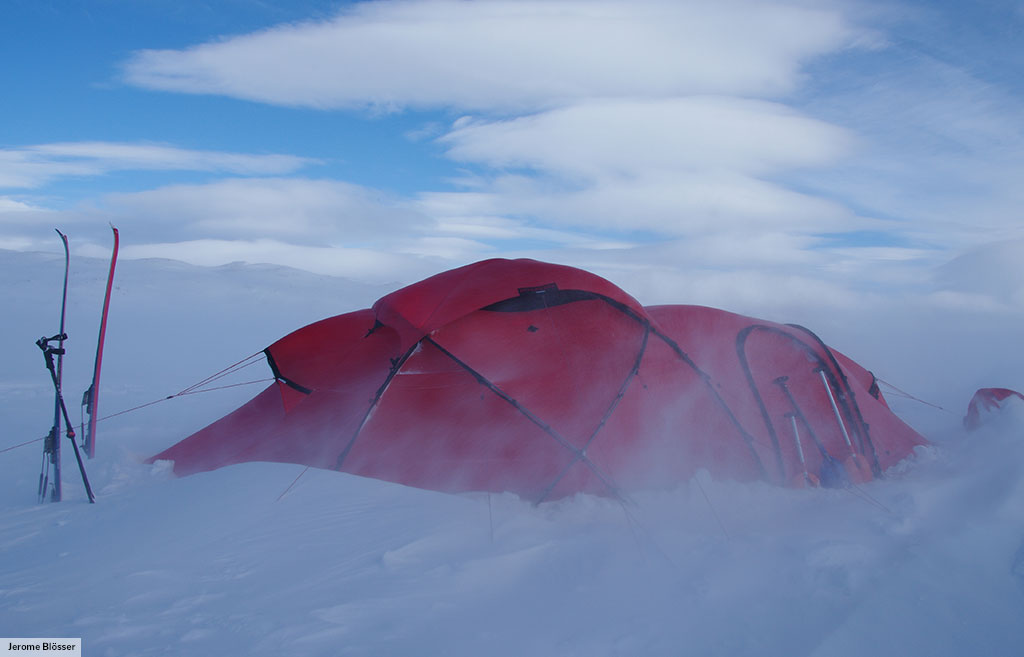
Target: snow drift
926	562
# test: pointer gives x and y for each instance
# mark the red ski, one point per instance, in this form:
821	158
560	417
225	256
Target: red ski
92	396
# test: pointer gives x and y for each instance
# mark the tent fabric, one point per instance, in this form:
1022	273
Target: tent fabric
546	381
987	401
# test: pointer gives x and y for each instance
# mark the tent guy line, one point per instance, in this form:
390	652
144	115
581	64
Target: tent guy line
906	395
223	373
190	390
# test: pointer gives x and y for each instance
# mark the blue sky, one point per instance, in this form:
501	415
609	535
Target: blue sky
723	150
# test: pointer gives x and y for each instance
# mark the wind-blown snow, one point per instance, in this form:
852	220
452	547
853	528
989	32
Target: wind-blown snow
929	561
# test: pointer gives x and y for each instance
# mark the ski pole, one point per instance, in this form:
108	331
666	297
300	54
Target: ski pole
48	353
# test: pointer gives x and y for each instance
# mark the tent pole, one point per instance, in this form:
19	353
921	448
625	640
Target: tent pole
835	409
832	472
799	448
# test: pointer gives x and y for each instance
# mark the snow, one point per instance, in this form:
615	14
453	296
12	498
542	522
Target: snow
929	561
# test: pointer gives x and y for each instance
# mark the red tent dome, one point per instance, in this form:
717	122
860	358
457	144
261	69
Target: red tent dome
545	380
986	402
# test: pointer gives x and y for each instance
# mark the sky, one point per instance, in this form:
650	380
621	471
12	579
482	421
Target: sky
718	152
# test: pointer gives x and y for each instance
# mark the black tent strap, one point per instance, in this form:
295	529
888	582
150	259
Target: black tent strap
748	439
540	297
484	381
549	295
396	364
874	390
741	352
579	455
625	385
607	414
281	377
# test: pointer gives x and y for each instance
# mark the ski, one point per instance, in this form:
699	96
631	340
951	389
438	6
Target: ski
92	396
51	446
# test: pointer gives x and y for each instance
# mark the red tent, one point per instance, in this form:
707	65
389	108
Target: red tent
987	401
545	380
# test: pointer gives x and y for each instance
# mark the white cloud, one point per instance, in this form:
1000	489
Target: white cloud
993	271
635	124
34	166
940	140
10	205
507	54
778	277
679	166
627	136
502	231
663	203
21	168
300	210
458	249
686	143
323	213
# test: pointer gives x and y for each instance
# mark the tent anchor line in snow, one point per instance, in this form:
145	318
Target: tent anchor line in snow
545	381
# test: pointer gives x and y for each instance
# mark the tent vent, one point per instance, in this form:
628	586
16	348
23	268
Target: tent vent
538	289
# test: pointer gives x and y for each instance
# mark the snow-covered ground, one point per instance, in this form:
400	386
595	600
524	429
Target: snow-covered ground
928	562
